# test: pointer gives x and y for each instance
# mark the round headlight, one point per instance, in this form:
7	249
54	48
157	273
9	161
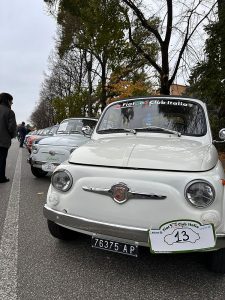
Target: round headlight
34	149
200	193
62	180
72	149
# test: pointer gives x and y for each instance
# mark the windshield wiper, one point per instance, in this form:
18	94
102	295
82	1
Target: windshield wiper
62	132
74	131
157	128
116	130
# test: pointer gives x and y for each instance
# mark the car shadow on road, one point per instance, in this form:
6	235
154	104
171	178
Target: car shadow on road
149	276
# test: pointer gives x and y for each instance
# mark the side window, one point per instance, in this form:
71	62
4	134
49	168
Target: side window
90	123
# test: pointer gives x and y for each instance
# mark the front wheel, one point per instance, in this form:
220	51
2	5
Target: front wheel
60	232
38	172
216	261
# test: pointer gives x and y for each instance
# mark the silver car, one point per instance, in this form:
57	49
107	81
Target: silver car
50	152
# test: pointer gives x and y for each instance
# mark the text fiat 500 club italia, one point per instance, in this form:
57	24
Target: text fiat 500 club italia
149	176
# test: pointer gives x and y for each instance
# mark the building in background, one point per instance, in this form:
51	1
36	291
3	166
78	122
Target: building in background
178	89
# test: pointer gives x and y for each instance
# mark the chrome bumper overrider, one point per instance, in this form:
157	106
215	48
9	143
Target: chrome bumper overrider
90	227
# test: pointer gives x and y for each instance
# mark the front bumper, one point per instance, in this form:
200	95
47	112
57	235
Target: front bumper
125	233
39	164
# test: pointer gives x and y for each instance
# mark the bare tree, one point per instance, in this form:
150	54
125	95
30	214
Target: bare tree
179	21
42	115
66	77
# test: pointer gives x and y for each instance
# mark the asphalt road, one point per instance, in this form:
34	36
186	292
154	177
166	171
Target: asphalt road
35	266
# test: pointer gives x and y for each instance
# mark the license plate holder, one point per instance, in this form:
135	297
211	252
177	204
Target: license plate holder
114	246
48	167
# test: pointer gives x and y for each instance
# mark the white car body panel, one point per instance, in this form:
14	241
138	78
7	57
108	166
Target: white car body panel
56	150
144	152
142	213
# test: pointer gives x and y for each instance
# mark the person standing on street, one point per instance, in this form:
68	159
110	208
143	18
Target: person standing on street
8	130
22	133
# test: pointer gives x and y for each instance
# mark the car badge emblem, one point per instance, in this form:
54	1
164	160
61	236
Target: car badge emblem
51	152
119	192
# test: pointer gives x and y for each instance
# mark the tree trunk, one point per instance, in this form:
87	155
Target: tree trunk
164	85
103	85
90	88
221	15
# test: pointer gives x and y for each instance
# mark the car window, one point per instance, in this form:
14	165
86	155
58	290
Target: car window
187	117
75	125
40	132
53	129
45	131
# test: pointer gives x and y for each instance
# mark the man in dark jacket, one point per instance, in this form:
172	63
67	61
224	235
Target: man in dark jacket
7	131
22	133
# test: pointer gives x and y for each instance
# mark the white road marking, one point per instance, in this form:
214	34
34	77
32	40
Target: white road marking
9	241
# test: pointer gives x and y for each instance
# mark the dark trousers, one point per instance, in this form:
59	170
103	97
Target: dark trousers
3	156
22	138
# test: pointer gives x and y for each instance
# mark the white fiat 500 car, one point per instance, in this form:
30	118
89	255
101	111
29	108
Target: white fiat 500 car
149	176
50	152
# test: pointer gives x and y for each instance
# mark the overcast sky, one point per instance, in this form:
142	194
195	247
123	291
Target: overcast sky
26	40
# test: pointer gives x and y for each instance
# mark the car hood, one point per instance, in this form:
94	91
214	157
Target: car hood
178	154
65	140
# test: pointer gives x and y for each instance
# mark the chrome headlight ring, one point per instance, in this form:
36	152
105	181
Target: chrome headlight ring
34	149
62	180
72	149
200	193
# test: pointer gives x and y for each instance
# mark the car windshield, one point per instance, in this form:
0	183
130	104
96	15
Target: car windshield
45	131
164	115
53	130
75	125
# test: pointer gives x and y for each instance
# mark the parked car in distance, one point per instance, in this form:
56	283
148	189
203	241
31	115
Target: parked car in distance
33	132
48	153
149	176
40	134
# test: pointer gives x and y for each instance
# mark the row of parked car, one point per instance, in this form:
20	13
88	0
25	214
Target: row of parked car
51	146
36	135
149	176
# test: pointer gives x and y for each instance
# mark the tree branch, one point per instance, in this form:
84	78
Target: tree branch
140	50
188	37
143	20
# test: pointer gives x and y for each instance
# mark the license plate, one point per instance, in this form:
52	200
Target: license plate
114	246
182	236
48	167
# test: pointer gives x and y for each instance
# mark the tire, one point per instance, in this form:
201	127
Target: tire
38	172
60	232
216	261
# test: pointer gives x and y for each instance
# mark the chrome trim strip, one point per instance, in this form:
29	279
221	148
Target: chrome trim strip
125	233
130	194
96	190
220	235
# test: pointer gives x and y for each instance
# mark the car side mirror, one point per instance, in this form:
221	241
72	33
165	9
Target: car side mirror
87	130
221	136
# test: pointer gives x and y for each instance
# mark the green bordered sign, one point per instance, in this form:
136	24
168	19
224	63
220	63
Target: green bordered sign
182	236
